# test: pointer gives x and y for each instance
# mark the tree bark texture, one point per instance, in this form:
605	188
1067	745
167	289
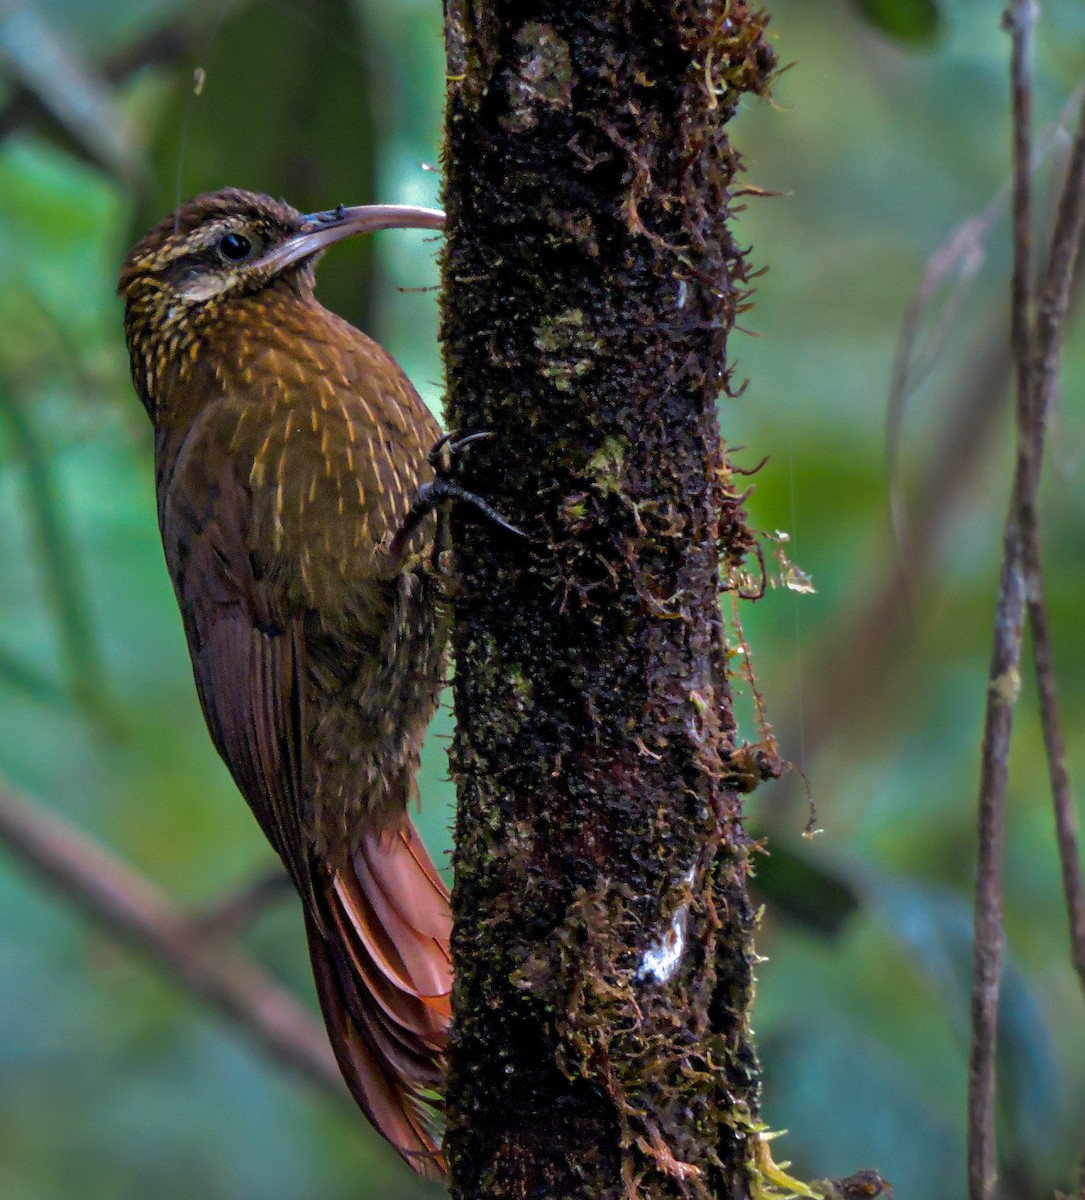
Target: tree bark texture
603	942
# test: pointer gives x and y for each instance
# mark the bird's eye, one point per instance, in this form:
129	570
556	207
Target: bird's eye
234	246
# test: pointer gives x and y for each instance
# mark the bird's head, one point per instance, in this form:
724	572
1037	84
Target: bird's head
231	244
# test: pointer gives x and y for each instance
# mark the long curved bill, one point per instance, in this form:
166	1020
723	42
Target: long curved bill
320	230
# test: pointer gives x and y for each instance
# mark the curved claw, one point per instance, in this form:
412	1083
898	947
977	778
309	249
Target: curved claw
442	490
448	446
434	455
431	495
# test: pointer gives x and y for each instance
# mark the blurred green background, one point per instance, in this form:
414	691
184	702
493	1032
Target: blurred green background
880	143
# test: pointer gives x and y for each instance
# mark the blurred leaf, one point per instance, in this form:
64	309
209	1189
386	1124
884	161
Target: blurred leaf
64	581
69	87
936	927
59	245
27	679
905	20
880	1111
108	1087
812	893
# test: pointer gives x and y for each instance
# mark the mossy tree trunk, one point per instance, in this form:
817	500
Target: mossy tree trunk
603	944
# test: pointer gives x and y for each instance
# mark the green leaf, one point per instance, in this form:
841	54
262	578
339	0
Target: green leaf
905	20
26	678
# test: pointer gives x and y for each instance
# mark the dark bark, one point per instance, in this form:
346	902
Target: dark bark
603	944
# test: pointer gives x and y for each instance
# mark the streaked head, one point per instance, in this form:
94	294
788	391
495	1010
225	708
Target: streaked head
234	242
226	245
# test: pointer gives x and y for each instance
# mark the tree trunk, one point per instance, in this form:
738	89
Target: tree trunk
603	944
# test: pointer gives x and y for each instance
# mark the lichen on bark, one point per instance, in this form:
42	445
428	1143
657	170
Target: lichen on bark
604	936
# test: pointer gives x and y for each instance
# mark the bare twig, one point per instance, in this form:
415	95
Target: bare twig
859	655
1004	679
1051	311
1055	746
952	268
229	915
1054	298
102	886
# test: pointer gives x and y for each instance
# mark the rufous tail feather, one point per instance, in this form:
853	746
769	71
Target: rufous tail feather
384	976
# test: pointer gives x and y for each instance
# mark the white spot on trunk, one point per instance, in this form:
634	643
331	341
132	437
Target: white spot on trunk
662	959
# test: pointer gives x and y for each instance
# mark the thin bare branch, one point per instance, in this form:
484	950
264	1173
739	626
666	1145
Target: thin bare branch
950	271
108	890
1004	679
1051	313
232	913
1055	746
1057	284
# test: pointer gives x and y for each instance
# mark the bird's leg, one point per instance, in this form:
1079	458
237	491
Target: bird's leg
441	493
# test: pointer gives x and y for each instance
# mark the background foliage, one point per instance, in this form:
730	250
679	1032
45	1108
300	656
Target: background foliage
111	1085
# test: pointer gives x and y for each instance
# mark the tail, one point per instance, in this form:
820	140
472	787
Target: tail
379	944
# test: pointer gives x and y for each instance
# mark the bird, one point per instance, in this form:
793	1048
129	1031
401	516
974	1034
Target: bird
296	471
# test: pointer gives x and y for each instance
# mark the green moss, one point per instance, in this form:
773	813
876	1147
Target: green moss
568	347
542	75
606	464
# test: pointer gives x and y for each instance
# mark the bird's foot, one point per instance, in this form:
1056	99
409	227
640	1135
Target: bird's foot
443	492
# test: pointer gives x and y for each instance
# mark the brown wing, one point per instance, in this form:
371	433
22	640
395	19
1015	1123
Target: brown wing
246	657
